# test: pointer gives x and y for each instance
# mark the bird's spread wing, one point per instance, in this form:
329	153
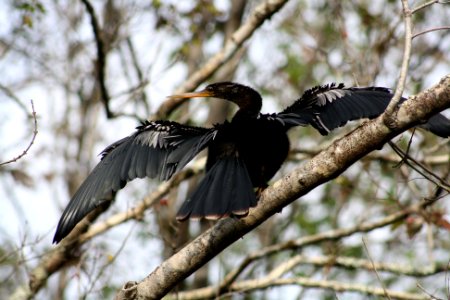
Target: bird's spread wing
330	106
157	149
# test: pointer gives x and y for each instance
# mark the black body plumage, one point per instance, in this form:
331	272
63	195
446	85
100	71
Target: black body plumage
242	154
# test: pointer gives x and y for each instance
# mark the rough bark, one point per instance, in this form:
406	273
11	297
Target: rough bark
323	167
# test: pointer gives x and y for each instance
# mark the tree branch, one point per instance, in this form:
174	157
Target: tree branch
389	116
261	13
297	154
35	132
264	283
318	261
331	235
101	57
430	30
66	252
323	167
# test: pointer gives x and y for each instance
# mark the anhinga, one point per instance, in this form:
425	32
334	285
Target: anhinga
242	154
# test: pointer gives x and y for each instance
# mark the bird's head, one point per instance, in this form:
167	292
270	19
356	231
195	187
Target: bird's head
245	97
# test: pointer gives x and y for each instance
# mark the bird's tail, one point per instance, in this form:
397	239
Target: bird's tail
226	190
439	125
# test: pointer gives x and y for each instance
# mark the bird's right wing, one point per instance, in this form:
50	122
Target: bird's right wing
330	106
158	149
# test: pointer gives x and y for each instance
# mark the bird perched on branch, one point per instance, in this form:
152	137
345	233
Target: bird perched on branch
243	154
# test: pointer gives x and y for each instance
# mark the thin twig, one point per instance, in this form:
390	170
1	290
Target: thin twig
35	132
375	269
389	117
430	296
415	165
111	259
422	6
408	147
431	30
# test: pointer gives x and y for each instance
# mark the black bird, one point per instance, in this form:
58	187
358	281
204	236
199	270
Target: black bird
242	154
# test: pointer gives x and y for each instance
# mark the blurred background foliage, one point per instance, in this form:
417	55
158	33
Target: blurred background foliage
48	54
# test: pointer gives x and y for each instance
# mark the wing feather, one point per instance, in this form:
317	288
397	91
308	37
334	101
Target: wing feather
225	190
330	106
157	150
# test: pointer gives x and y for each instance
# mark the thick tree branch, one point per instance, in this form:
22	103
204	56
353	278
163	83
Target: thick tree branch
323	167
261	13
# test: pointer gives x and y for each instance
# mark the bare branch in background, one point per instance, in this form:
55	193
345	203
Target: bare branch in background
101	57
35	132
383	286
11	95
430	30
330	236
260	14
424	171
425	5
64	253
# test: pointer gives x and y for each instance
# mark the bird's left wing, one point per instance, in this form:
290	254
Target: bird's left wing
327	107
330	106
158	149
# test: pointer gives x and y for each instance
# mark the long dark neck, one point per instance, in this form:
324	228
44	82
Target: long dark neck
250	103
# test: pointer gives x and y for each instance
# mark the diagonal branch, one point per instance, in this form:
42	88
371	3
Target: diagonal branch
323	167
67	251
260	14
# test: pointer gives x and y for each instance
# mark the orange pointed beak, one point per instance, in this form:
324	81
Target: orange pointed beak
202	93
